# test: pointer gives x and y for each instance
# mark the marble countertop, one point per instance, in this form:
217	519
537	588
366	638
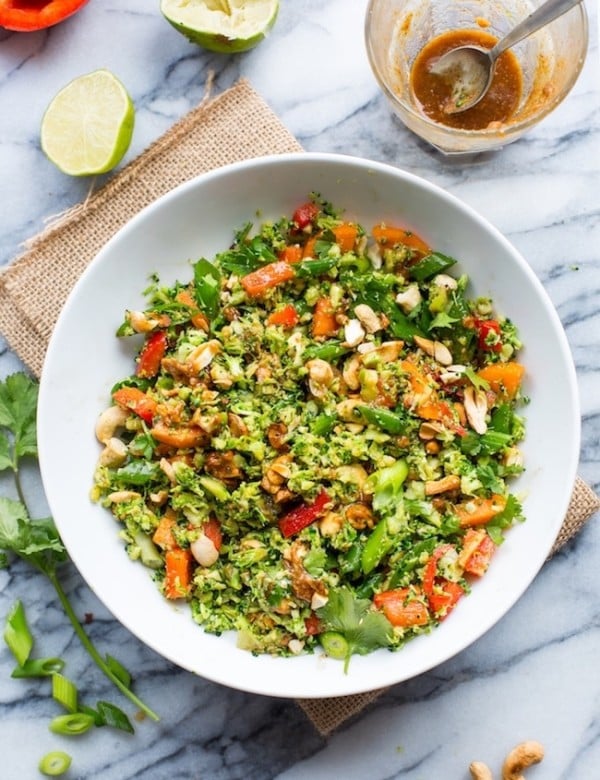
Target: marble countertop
534	675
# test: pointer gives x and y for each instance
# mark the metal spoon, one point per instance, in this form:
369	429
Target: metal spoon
470	69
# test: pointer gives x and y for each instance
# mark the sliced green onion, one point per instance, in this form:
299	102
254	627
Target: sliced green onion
65	692
73	724
55	763
17	634
334	644
117	668
38	667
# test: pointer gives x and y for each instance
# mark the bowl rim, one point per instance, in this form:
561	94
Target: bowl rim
299	688
502	135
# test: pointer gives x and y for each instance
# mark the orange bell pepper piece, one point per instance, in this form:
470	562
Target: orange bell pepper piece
256	283
345	236
387	236
503	378
178	573
400	611
136	401
480	510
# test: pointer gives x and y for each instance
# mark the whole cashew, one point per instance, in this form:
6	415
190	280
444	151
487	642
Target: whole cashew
480	771
522	756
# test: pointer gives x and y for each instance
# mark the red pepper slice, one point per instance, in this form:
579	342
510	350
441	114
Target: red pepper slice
484	329
303	515
136	401
26	16
151	355
212	529
286	317
480	559
441	593
313	625
305	215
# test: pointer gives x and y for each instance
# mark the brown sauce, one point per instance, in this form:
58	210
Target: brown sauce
433	92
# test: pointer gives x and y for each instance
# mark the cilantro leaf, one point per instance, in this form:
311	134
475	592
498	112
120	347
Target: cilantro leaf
6	461
36	541
18	403
12	517
442	320
363	628
477	382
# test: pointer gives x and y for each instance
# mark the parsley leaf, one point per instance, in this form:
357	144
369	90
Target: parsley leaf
363	628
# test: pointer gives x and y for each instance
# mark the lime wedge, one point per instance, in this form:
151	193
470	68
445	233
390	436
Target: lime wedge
222	25
87	127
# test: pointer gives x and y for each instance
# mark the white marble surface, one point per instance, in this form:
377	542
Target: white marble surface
535	674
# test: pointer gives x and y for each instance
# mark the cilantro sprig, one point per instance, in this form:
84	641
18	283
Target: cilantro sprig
37	542
352	626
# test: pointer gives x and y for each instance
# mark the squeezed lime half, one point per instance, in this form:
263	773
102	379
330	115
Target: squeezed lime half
222	25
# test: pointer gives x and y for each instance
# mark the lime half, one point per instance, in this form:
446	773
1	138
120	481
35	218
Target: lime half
222	25
87	127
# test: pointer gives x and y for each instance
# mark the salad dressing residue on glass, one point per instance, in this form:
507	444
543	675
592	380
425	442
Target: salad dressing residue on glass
433	91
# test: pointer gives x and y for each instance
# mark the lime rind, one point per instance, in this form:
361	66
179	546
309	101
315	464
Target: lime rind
225	26
88	126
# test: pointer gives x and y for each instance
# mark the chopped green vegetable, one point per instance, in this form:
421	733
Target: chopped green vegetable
17	634
55	763
65	692
72	725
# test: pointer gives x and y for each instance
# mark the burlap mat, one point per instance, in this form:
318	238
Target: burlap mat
234	126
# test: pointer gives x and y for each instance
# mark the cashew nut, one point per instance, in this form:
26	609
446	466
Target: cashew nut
480	771
350	372
320	375
476	409
443	485
409	299
369	320
435	349
109	422
523	755
203	355
114	454
354	333
204	550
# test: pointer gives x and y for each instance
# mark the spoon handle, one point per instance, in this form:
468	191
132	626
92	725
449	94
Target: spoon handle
543	15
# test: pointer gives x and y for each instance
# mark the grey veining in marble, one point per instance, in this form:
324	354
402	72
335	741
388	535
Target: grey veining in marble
535	674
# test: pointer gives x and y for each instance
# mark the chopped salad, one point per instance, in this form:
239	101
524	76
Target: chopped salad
316	443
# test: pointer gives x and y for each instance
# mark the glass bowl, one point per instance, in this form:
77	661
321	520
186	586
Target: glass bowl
550	60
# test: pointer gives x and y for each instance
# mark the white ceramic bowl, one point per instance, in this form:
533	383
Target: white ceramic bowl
198	219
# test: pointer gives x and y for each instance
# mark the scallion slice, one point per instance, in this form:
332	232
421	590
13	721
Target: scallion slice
54	763
17	635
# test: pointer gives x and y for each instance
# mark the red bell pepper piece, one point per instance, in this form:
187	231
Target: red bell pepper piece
485	328
313	625
442	594
286	317
136	401
26	16
303	516
151	355
305	215
479	560
212	529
